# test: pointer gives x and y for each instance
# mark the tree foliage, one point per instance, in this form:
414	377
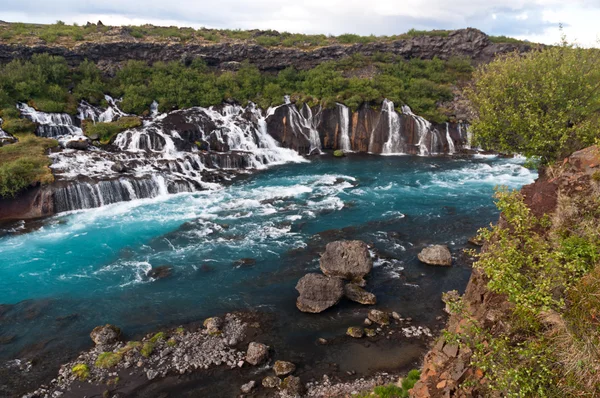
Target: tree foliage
544	103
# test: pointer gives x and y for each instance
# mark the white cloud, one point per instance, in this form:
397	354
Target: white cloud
533	20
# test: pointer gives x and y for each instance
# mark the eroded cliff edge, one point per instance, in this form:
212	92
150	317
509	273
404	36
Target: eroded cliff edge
448	369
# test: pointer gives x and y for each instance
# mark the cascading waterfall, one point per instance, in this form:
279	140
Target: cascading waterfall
302	125
423	131
395	143
50	125
98	115
344	140
451	148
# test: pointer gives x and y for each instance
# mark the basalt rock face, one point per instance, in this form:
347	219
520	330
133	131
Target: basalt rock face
470	43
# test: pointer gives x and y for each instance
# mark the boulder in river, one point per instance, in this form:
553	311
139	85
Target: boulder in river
283	368
356	293
436	255
106	334
213	325
355	332
248	387
81	145
118	167
347	259
292	387
244	263
318	292
271	382
257	353
379	317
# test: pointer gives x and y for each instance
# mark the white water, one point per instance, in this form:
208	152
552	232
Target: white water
306	126
110	114
395	143
423	131
451	148
344	142
51	125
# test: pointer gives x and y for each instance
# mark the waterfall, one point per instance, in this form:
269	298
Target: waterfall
423	130
394	143
86	195
451	148
50	125
306	126
95	114
344	140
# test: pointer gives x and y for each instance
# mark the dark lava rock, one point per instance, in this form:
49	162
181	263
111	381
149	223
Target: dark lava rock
346	259
161	272
118	167
106	334
318	292
257	353
356	293
80	145
283	368
244	262
436	255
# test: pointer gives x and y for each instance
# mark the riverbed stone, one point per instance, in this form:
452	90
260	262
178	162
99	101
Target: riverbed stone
318	292
213	325
347	259
283	368
248	387
257	353
292	386
271	382
436	255
358	294
379	317
160	272
107	334
355	332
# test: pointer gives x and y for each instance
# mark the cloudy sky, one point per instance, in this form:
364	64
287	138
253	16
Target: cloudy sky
536	20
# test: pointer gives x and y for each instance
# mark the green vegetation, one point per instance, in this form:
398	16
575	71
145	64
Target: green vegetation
60	33
158	337
171	342
147	349
339	153
82	371
392	390
108	359
24	164
549	271
105	132
544	103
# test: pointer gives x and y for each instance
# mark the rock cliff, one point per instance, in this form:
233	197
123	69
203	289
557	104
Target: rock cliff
470	43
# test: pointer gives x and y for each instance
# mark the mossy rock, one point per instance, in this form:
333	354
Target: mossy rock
339	153
147	349
355	332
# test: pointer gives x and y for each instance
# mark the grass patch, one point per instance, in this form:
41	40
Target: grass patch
24	164
392	390
147	349
158	337
106	131
82	371
108	359
171	342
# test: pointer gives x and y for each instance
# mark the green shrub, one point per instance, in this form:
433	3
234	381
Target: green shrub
106	131
82	371
108	359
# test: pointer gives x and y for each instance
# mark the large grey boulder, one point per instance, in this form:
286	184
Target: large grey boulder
436	255
318	292
257	353
347	259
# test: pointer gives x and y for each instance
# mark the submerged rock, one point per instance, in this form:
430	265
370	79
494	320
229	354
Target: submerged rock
161	272
80	145
318	292
257	353
107	334
282	368
379	317
356	293
347	259
118	167
248	387
436	255
244	262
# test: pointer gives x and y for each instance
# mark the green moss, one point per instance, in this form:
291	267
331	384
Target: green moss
82	371
108	359
147	349
339	153
158	336
171	342
180	330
